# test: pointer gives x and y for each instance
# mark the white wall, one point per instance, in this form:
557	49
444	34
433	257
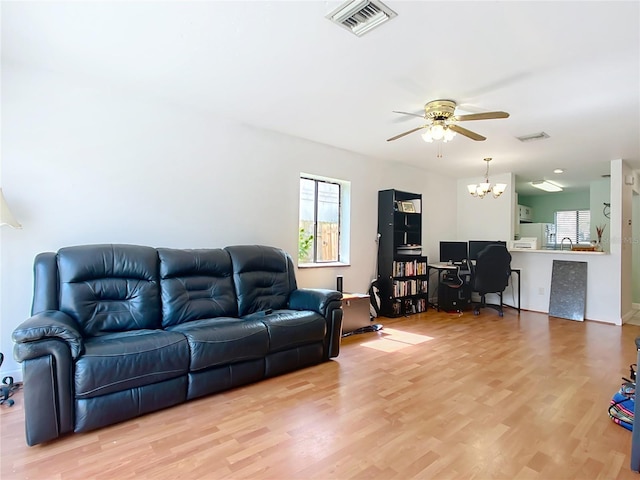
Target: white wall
635	249
622	233
85	163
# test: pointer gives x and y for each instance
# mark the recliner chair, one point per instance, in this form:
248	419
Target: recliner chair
491	275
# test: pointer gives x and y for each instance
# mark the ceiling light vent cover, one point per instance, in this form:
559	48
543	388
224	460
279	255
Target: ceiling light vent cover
533	137
361	16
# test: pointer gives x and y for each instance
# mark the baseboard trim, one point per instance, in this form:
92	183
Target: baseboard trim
627	316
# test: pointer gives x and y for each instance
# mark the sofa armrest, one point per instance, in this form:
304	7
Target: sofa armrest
317	299
47	371
47	344
327	303
50	324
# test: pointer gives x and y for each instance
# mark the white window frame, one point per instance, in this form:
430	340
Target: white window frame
344	220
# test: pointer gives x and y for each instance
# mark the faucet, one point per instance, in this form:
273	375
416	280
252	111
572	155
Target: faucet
570	243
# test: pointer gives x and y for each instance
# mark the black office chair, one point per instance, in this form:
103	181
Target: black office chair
491	275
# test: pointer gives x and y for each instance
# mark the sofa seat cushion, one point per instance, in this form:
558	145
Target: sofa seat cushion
222	341
292	328
126	360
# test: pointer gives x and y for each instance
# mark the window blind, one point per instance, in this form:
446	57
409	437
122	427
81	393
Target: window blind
573	224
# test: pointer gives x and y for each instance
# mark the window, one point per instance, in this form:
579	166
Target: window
573	224
321	220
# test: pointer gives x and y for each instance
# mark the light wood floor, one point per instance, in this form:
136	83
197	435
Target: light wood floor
431	396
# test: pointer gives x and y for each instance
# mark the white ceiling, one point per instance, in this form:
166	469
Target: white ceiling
570	69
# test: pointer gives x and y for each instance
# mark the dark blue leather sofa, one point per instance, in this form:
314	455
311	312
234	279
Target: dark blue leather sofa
118	331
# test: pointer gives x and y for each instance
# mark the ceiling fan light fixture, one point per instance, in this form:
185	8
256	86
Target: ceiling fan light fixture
437	130
448	134
426	136
546	186
443	124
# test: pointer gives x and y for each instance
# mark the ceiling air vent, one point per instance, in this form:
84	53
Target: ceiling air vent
532	137
361	16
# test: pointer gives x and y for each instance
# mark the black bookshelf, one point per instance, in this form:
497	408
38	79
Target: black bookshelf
402	269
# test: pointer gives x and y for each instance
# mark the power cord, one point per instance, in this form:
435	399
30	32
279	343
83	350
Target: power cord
460	281
368	328
8	388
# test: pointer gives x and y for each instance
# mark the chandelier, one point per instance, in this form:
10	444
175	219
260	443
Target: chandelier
481	189
438	130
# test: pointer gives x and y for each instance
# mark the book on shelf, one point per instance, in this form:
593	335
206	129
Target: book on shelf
397	307
402	288
410	268
409	306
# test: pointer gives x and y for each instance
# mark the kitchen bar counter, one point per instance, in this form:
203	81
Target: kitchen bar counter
603	285
556	251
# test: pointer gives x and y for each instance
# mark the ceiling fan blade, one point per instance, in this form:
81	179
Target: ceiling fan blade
467	133
407	113
405	133
481	116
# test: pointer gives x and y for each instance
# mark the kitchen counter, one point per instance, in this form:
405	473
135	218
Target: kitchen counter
603	285
556	251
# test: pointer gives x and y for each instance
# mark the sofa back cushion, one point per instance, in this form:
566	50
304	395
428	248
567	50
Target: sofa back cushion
196	284
110	288
263	277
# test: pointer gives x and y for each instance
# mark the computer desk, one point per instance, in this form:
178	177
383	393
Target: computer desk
444	267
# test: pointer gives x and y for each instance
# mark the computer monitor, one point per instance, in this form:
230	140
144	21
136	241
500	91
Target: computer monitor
455	252
476	246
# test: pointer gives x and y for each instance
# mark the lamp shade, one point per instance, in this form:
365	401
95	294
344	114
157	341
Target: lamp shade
437	131
448	134
6	218
499	188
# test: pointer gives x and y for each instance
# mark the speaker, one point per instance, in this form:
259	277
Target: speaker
339	283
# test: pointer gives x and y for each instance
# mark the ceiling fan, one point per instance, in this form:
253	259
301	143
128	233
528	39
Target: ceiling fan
442	123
